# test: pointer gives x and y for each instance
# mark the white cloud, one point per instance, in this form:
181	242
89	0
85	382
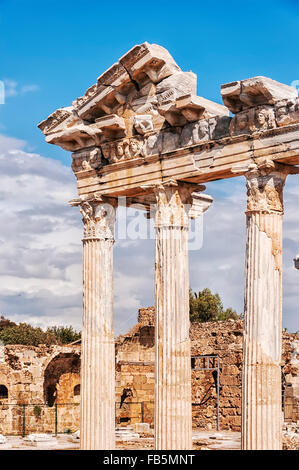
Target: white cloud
41	255
10	88
13	88
29	88
220	264
40	239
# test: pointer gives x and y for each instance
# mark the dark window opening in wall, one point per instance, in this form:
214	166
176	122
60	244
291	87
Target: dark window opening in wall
124	420
51	395
77	390
127	393
3	391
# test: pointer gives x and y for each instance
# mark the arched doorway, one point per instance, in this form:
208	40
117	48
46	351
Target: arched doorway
61	376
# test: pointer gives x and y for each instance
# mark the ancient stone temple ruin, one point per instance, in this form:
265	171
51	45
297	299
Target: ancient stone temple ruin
40	385
216	392
142	136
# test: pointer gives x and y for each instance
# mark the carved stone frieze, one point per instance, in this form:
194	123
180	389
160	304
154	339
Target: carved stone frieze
89	159
125	149
287	112
143	123
256	91
253	120
145	106
153	145
144	92
60	115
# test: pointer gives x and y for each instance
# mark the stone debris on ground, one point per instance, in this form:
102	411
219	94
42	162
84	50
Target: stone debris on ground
290	436
202	440
126	434
39	437
207	440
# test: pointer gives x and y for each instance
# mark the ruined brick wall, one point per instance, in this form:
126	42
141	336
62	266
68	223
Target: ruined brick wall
29	373
291	377
135	370
23	372
223	339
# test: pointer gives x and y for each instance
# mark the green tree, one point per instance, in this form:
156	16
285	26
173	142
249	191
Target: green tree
206	306
64	334
5	323
23	333
26	334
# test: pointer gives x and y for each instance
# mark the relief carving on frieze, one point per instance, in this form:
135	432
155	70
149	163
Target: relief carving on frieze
144	105
87	160
253	120
143	123
287	112
126	149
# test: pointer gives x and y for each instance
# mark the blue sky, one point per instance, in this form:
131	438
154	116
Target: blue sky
51	52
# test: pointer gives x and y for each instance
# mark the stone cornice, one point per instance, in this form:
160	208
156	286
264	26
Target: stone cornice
142	123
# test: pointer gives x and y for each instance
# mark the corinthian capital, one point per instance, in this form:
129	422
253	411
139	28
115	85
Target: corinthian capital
265	188
174	203
98	216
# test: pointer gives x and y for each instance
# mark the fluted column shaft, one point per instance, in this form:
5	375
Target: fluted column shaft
98	354
261	384
173	418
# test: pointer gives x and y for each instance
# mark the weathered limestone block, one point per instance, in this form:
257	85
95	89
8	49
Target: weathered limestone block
195	133
195	107
104	96
240	95
287	112
143	123
252	120
122	150
112	123
219	127
149	59
180	83
76	137
61	115
87	160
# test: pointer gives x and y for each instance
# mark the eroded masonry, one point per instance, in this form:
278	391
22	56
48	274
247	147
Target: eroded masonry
142	133
40	386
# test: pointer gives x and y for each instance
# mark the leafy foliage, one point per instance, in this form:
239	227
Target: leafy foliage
4	323
64	334
206	306
23	333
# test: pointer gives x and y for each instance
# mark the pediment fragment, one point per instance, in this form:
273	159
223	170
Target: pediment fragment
241	95
144	92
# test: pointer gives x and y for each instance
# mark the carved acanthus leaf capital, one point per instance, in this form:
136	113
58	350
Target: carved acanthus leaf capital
265	187
174	203
98	216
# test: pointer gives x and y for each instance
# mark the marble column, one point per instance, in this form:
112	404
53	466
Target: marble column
98	355
261	384
173	414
